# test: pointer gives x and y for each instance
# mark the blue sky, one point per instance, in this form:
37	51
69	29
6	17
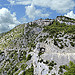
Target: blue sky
15	12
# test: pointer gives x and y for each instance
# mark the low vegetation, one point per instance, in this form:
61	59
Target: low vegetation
70	70
57	27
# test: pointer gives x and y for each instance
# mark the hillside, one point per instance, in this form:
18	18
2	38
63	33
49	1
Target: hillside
38	48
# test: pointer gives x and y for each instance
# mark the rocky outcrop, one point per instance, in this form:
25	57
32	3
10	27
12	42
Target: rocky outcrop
50	54
39	44
65	20
42	22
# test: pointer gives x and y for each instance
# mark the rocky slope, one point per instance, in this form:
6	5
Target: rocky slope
38	48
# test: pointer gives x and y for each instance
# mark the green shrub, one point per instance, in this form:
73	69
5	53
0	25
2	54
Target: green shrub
46	62
24	57
28	57
30	50
16	68
41	40
57	27
16	74
65	45
55	42
61	46
33	45
61	70
1	52
70	70
40	53
63	66
59	40
50	68
23	66
30	71
33	25
73	37
23	73
9	72
24	52
72	44
40	60
52	63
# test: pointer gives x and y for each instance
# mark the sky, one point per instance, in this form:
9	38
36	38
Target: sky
15	12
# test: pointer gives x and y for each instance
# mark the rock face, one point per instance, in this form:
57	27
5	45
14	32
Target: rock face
42	22
65	20
38	48
52	53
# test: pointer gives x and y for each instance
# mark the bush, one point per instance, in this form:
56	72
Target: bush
57	27
72	44
73	37
61	46
61	70
24	57
46	62
55	42
40	60
33	45
16	68
23	73
50	68
41	40
30	50
9	72
28	57
52	63
40	53
23	66
24	53
70	70
30	71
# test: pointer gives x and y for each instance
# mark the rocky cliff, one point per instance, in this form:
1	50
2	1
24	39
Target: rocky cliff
38	48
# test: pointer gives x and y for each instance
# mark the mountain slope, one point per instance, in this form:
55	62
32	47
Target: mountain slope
38	47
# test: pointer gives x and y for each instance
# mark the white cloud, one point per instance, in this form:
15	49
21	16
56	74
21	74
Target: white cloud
62	5
70	14
7	20
58	5
24	2
32	12
12	2
20	2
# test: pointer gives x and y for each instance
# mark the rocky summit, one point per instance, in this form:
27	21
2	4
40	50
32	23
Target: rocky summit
41	47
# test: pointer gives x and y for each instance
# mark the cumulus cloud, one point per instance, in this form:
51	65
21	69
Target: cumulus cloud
22	2
70	14
58	5
7	20
12	2
62	6
32	12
